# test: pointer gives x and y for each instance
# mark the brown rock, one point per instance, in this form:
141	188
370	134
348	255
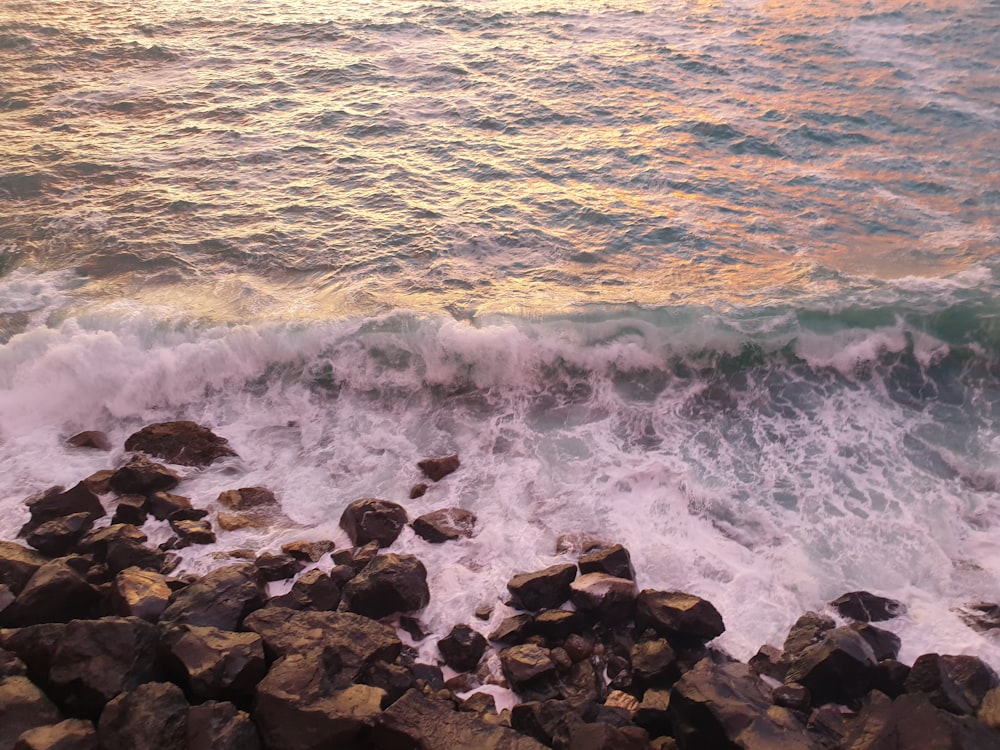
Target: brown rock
277	567
127	553
18	564
216	664
164	504
247	498
236	521
143	477
542	589
390	584
513	629
184	443
90	439
373	520
55	593
131	509
313	590
71	734
864	606
99	481
57	537
193	532
677	614
614	561
22	707
654	663
55	503
838	669
462	648
140	593
96	542
418	490
437	469
153	716
526	662
220	726
807	631
308	551
954	683
445	525
221	599
612	599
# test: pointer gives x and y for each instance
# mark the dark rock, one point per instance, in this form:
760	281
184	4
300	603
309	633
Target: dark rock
221	599
885	644
542	589
57	537
163	505
188	514
558	624
220	726
99	481
277	567
390	584
954	683
445	525
55	593
22	707
56	503
393	679
90	439
18	564
653	712
355	558
807	631
674	613
125	553
193	532
437	469
11	665
523	664
604	736
654	663
153	716
614	560
216	664
546	721
248	498
417	721
308	551
143	477
829	724
726	706
184	443
131	509
579	647
890	677
792	696
768	661
462	648
413	627
611	599
71	734
140	593
33	646
989	711
373	520
867	607
95	660
6	596
980	616
96	542
418	490
427	675
838	669
313	590
514	629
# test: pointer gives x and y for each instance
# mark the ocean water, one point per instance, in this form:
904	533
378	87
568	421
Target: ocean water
715	280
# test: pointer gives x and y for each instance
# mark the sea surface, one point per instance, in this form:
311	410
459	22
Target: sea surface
718	280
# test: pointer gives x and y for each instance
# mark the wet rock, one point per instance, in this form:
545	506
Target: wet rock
163	505
184	443
308	551
57	537
22	707
980	616
140	476
445	525
55	593
90	439
11	665
954	683
18	564
546	720
579	647
216	664
989	710
248	498
514	629
542	589
579	543
131	509
614	561
125	553
652	713
437	469
6	596
864	606
237	521
356	558
889	677
525	663
33	646
140	593
220	726
99	481
418	721
71	734
603	736
153	716
677	614
609	598
313	590
418	490
793	696
462	648
221	599
373	520
558	624
885	644
838	669
654	663
96	542
56	503
277	567
390	584
193	532
768	661
805	632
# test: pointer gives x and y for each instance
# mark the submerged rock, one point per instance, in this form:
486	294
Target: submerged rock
445	525
462	648
185	443
90	439
864	606
246	498
437	469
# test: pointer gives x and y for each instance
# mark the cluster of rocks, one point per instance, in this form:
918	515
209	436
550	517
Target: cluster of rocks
102	647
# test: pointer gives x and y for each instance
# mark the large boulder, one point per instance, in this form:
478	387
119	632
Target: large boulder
838	669
163	505
390	584
140	476
71	734
445	525
314	589
864	606
220	726
277	567
437	469
216	664
22	707
614	560
18	564
220	599
954	683
542	589
140	593
524	664
55	593
57	537
610	598
677	614
33	646
96	542
373	520
308	551
806	631
247	498
185	443
462	648
154	716
56	503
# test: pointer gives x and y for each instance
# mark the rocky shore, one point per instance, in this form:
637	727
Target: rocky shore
103	646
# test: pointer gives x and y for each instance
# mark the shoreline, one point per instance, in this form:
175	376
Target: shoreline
95	632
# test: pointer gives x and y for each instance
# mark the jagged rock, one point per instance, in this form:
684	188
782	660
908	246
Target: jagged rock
806	631
462	648
726	705
373	520
57	537
90	439
55	503
614	560
611	599
95	660
889	677
11	665
980	616
954	683
55	593
22	707
654	663
153	716
526	662
542	589
298	707
418	490
393	679
829	724
131	509
624	701
125	553
653	712
864	606
308	551
603	736
437	469
277	567
769	661
184	443
216	664
99	481
390	584
96	542
445	525
546	721
193	532
220	726
838	669
163	505
355	641
513	629
356	558
557	624
792	696
248	498
418	721
885	644
71	734
140	593
237	521
313	590
674	613
34	645
989	710
18	564
221	599
141	476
